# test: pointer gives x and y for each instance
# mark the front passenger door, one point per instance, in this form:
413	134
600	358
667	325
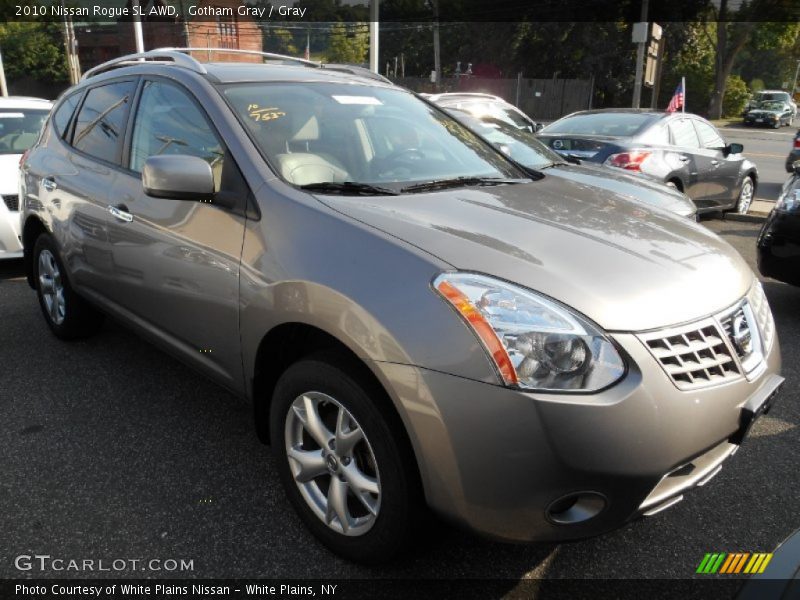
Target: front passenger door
176	262
696	163
722	182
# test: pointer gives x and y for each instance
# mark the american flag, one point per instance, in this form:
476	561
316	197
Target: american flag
677	98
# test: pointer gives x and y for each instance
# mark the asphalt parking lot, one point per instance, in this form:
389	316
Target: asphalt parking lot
111	449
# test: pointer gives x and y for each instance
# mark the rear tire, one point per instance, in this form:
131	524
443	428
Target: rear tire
67	314
361	499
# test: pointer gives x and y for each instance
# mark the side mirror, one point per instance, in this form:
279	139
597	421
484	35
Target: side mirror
178	177
537	127
733	149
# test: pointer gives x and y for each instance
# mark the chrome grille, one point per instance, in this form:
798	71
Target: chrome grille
763	315
12	202
727	325
694	356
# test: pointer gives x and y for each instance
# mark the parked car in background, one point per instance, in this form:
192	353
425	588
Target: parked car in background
769	96
523	147
416	318
21	121
772	113
681	150
794	153
779	240
486	106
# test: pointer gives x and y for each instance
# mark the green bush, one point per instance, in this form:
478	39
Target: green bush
736	95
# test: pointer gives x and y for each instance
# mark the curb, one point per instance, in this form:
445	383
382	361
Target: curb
751	217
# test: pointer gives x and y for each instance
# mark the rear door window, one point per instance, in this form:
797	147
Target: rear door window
100	125
683	134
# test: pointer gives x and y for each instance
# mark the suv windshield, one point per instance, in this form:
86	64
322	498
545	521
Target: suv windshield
330	132
19	129
612	124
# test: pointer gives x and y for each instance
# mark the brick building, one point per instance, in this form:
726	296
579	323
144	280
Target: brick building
98	43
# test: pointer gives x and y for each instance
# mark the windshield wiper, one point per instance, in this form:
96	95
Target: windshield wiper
348	188
441	184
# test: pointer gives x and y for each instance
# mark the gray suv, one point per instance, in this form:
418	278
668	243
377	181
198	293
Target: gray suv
417	321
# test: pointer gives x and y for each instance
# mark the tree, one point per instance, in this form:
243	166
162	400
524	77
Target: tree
33	50
770	32
280	40
348	43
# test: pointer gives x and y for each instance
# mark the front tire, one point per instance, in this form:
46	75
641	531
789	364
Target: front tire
746	194
68	315
344	463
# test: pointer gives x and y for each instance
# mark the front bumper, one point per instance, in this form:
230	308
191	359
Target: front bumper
10	245
521	466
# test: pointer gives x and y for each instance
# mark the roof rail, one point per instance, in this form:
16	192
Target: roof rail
267	55
162	55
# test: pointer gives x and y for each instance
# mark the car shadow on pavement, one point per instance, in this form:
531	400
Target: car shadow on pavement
12	269
768	191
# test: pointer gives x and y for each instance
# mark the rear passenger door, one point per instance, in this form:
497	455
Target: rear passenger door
176	262
76	176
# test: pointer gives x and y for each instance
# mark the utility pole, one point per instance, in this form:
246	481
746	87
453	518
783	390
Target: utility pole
373	35
794	84
640	33
3	86
137	28
437	63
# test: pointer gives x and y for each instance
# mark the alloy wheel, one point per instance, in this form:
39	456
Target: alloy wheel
745	196
332	463
51	287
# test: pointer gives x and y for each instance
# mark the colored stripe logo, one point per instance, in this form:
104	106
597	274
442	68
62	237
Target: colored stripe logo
733	563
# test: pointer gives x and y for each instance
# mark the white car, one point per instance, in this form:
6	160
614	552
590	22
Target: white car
21	120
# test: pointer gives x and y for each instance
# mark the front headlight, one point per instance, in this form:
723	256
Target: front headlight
788	202
534	342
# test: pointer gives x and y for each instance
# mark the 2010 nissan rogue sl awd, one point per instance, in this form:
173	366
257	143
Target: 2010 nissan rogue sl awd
416	319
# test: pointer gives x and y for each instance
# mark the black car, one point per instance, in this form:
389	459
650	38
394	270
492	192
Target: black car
794	153
779	240
682	150
771	113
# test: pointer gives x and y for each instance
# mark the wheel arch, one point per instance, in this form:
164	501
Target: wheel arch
33	228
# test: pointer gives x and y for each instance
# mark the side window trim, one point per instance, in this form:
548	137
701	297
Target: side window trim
116	163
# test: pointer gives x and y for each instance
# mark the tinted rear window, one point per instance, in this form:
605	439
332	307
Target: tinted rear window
612	124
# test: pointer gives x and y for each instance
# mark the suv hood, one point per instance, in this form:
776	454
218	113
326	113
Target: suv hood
624	266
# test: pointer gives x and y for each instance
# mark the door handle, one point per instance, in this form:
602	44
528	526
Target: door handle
683	158
49	184
714	163
121	213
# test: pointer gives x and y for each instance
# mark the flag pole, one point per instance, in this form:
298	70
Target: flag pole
683	86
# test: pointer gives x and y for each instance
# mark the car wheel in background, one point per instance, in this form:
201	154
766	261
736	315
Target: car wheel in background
68	315
745	196
345	466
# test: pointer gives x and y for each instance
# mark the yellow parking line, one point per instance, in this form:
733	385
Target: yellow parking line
768	155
